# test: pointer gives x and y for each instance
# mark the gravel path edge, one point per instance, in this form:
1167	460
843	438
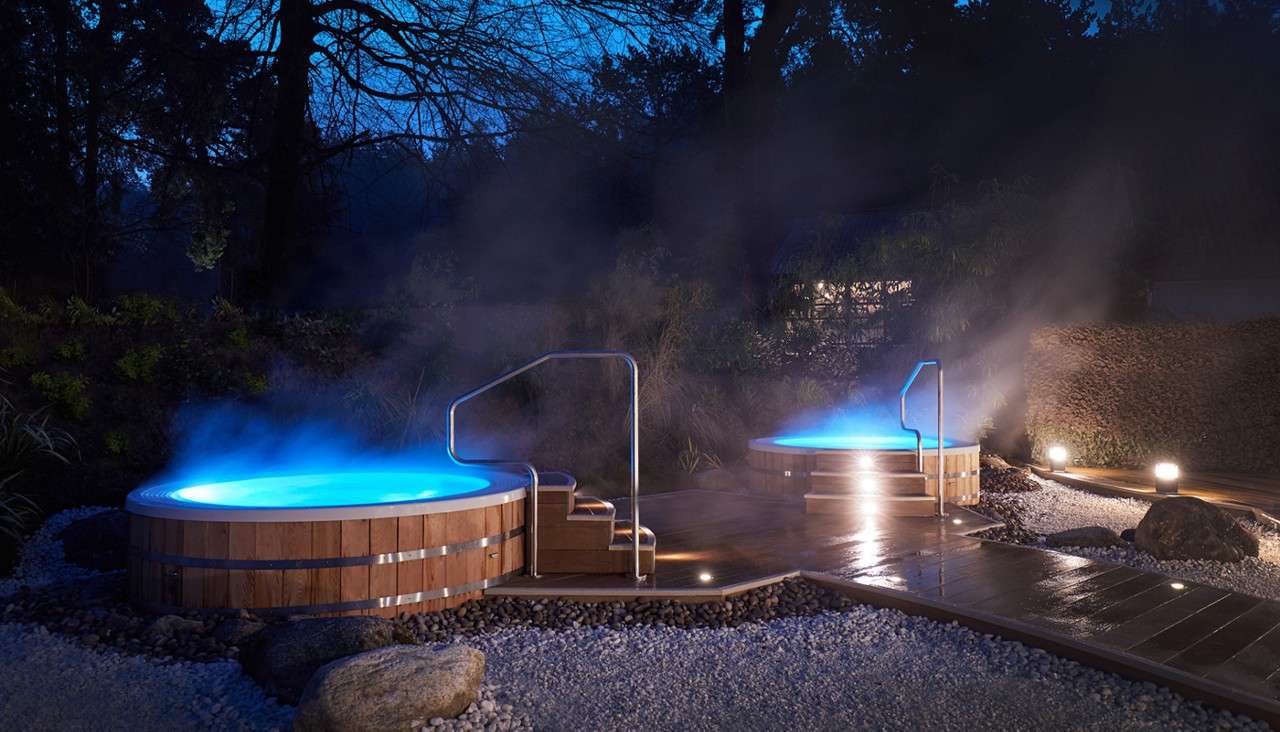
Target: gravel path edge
1099	657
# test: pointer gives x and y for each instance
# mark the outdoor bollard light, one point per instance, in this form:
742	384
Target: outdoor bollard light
1167	477
1057	458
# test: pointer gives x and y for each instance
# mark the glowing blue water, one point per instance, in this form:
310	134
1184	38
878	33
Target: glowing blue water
829	441
326	490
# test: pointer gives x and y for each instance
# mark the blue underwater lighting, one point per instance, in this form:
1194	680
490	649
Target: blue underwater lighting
838	441
326	490
867	426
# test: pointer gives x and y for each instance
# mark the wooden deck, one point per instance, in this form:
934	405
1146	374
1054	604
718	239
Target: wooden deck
1243	493
1219	646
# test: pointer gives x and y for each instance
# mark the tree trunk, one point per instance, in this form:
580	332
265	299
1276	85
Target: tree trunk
760	79
61	17
279	239
735	62
91	183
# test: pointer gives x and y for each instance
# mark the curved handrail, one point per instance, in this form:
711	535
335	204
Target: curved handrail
902	417
532	506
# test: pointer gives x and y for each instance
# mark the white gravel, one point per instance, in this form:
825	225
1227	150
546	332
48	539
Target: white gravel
41	561
48	683
1057	507
864	669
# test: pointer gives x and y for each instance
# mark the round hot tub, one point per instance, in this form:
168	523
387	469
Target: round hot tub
830	464
353	543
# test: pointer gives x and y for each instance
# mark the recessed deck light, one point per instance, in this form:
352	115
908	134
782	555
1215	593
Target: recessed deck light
705	577
1177	585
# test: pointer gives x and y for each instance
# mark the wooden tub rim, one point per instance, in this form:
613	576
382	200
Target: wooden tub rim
768	444
151	502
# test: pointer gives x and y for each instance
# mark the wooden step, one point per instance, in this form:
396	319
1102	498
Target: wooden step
590	508
578	534
622	537
575	535
579	561
555	481
870	504
584	508
556	489
838	461
604	558
869	482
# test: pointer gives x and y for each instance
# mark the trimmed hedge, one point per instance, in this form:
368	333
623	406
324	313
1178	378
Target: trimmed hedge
1205	395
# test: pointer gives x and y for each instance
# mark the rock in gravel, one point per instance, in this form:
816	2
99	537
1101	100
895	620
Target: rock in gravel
283	657
167	626
1085	536
100	541
390	688
236	631
992	461
1189	528
96	591
995	480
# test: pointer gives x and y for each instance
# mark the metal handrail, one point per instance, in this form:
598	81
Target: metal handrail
532	508
902	416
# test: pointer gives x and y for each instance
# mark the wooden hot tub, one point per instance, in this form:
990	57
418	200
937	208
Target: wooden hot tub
326	544
836	472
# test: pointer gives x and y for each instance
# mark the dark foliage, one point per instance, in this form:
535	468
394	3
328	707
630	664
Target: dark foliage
141	128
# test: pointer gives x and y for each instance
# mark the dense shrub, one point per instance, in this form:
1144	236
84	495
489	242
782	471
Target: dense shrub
1204	395
119	375
116	375
27	440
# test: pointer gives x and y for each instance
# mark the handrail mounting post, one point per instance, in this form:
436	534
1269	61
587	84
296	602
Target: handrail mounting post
902	417
531	509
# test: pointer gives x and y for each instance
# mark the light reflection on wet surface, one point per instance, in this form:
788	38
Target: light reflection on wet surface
712	541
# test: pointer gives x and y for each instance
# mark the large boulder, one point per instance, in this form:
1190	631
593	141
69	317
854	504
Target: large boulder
1189	528
390	688
283	657
100	541
1093	536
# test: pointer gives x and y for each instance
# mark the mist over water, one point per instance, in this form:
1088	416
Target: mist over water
228	441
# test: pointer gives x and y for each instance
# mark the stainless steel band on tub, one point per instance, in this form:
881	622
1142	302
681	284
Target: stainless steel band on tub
331	562
376	602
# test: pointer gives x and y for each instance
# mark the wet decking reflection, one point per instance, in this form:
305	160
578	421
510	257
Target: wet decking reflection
714	544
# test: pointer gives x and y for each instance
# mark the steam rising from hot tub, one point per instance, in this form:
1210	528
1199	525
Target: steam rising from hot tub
229	442
868	426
